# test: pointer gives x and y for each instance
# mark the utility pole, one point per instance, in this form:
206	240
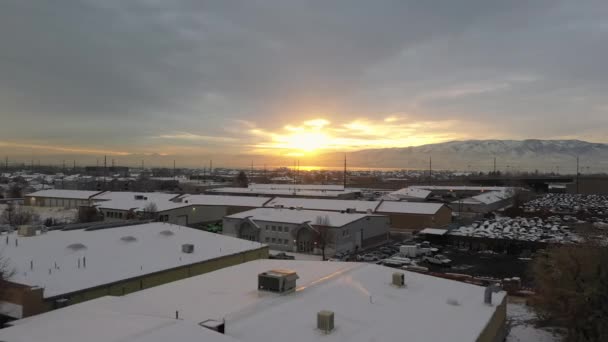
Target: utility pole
6	164
174	175
494	166
577	175
74	169
431	169
63	169
105	171
210	167
344	177
142	166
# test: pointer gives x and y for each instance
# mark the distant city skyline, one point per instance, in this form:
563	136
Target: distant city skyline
278	80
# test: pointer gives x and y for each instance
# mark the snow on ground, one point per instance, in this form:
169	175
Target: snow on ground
60	215
521	321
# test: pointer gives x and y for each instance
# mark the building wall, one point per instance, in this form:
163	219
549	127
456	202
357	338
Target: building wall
33	302
356	235
495	330
589	186
68	203
441	218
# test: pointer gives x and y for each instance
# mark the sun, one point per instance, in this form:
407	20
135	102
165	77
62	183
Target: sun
305	143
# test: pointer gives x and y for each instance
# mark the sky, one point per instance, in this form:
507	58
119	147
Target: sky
290	78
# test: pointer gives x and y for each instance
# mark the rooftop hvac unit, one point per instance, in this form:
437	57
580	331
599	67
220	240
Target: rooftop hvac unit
139	197
325	321
398	279
212	324
280	281
27	230
351	210
278	206
188	248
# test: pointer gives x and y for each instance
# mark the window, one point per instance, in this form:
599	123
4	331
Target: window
274	228
267	239
267	228
286	242
273	240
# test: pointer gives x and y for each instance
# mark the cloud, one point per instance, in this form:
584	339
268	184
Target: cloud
110	74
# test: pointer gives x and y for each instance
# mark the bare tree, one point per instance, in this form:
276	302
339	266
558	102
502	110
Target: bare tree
6	273
325	236
15	215
15	191
241	180
88	214
150	211
572	290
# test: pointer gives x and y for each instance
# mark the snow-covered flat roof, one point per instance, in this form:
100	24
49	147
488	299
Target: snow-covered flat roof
365	305
336	219
112	254
137	200
284	192
58	193
324	204
422	208
325	187
433	231
411	192
242	201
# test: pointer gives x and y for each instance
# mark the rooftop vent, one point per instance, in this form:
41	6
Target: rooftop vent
128	238
215	325
188	248
351	210
140	197
278	206
325	321
398	279
487	295
280	281
166	233
77	247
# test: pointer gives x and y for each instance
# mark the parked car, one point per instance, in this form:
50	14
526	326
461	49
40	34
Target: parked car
437	259
370	258
281	256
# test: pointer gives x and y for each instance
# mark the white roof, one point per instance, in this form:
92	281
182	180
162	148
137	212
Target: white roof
325	187
324	204
108	257
459	187
422	208
411	192
487	197
127	200
366	308
57	193
283	192
433	231
240	201
336	219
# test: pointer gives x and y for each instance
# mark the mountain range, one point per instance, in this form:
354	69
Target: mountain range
478	155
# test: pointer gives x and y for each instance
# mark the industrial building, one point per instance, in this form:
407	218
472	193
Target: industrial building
69	199
308	231
289	190
62	267
185	210
323	204
280	300
409	216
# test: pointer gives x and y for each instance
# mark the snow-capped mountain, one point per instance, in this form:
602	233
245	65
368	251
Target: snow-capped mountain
478	155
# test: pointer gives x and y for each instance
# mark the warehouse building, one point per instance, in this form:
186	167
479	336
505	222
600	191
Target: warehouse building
58	268
323	204
409	216
184	210
68	199
319	301
308	231
288	192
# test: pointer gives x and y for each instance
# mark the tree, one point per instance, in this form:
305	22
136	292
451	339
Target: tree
241	180
88	214
17	215
325	236
572	290
6	273
150	211
15	191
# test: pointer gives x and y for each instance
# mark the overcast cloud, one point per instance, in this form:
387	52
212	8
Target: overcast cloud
207	76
